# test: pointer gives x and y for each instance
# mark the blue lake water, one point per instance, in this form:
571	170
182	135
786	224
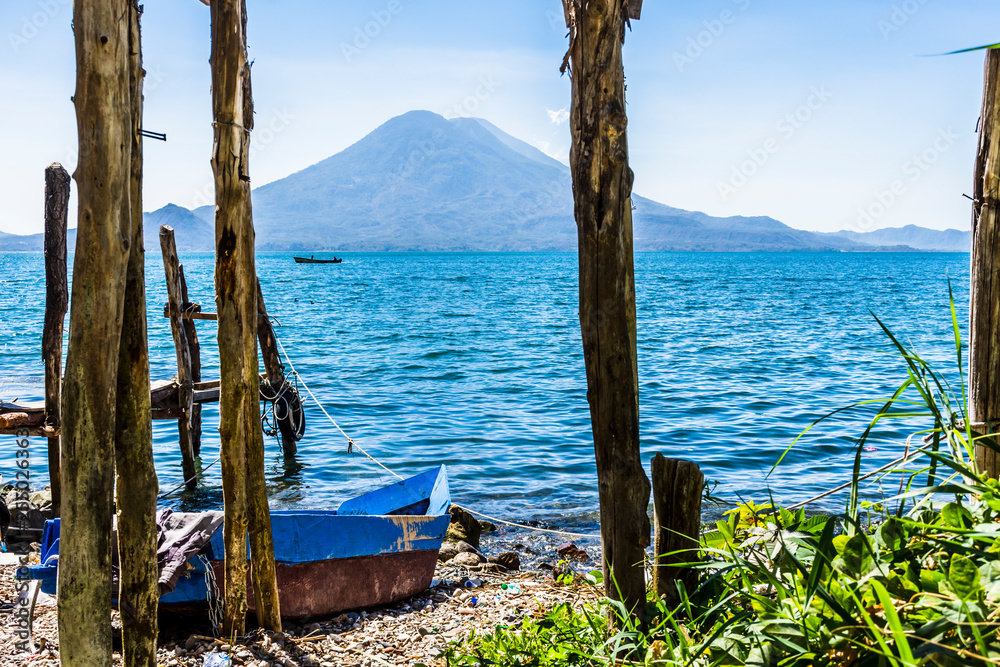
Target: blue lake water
474	360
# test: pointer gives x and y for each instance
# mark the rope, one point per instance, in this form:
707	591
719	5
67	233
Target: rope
902	459
185	482
521	525
350	442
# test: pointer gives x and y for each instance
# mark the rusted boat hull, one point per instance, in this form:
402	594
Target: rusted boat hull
322	588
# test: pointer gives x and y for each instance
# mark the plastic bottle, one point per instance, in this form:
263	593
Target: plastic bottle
216	660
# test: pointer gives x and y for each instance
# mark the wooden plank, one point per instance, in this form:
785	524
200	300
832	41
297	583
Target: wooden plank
136	485
195	348
33	407
34	431
98	293
171	268
984	302
677	491
602	188
243	483
57	182
16	420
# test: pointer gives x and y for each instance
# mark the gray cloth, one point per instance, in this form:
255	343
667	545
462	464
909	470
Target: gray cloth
181	535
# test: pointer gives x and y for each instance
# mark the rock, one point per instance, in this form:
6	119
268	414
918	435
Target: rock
463	527
508	560
466	548
468	559
448	551
488	527
572	551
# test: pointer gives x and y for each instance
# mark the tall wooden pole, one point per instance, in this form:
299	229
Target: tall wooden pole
102	101
272	365
984	303
56	302
136	484
194	347
602	190
236	304
185	392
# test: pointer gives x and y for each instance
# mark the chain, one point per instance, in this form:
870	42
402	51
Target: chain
212	596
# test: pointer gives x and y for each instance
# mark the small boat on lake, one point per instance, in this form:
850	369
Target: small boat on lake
312	260
375	549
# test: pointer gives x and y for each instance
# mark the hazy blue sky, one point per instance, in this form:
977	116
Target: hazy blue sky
806	111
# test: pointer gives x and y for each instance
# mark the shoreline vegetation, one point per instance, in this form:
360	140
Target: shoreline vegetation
913	580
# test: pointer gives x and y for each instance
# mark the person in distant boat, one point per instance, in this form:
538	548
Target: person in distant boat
312	256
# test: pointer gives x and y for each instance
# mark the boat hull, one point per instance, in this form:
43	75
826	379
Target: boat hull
322	588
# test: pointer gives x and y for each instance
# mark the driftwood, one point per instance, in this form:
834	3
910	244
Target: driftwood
56	302
136	484
171	268
602	188
16	420
677	490
101	99
194	348
243	483
984	302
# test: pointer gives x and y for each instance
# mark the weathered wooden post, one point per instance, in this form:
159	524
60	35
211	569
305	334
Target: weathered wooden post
194	347
602	188
56	302
243	483
677	490
100	30
136	484
272	364
984	302
185	392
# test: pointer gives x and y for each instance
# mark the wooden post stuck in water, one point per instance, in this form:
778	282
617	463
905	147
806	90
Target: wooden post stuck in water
677	491
272	363
602	190
984	302
57	183
185	391
136	484
243	484
194	348
100	29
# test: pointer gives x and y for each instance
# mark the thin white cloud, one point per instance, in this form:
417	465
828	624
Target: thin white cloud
558	117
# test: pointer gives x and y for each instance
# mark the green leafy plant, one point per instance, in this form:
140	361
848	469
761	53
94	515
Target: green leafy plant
911	580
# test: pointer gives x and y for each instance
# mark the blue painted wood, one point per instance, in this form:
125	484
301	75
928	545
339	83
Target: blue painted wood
393	499
364	526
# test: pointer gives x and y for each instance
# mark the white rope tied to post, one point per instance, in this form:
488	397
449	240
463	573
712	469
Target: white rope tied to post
350	441
521	525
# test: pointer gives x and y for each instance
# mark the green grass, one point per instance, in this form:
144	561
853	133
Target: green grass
913	580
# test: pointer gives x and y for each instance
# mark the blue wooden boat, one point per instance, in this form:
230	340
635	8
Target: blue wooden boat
374	549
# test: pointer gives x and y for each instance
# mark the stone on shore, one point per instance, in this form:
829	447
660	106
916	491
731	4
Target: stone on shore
463	527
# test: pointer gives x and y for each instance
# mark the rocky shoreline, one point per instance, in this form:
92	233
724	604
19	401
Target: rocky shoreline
472	591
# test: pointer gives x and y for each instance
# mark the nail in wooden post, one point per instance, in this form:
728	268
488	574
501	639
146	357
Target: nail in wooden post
191	332
185	394
677	490
56	301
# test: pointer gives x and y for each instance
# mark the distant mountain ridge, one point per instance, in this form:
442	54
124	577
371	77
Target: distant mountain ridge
423	182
